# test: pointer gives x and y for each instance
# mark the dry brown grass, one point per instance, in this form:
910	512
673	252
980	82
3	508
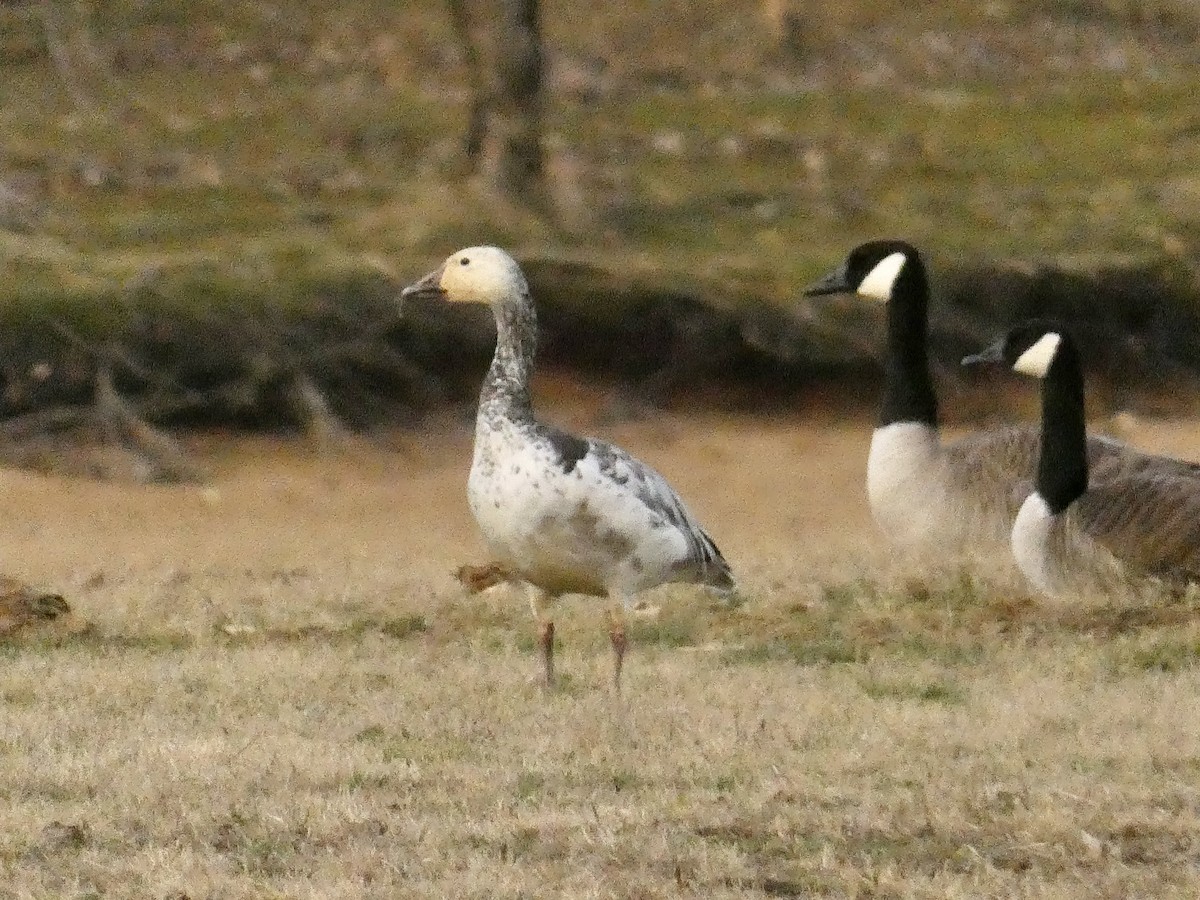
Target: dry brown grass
288	694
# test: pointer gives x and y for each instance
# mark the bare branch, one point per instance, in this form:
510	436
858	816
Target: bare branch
312	409
124	426
502	47
460	20
61	56
34	424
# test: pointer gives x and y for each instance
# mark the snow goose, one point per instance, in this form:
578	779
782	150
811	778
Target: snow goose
567	514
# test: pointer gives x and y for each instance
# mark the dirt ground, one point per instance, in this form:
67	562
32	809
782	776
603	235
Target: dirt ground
770	492
763	490
286	694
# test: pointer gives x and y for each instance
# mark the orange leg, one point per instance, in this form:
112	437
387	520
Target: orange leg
546	640
616	632
539	602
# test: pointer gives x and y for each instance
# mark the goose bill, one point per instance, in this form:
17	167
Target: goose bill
992	354
429	286
835	282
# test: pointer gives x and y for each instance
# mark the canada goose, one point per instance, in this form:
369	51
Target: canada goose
1069	535
955	497
566	514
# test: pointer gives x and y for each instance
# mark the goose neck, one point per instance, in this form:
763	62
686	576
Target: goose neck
908	388
506	388
1062	474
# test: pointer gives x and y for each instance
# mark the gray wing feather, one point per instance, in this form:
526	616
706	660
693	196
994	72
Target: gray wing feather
1110	460
1000	465
1148	522
704	563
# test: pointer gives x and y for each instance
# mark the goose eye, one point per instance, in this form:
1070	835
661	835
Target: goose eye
464	261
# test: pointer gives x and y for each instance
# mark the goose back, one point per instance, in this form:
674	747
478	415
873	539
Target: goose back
965	495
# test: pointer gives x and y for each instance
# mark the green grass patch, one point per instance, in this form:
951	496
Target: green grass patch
529	785
404	627
155	643
800	651
1156	653
623	780
19	697
940	691
358	781
372	734
667	631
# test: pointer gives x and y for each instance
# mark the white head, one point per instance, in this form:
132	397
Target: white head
474	275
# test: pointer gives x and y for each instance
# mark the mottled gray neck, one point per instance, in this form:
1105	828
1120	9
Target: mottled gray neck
506	389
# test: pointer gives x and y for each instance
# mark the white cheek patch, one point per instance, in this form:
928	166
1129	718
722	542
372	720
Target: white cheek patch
1036	360
879	281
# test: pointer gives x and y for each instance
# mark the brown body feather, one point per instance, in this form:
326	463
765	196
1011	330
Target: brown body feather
990	474
1148	523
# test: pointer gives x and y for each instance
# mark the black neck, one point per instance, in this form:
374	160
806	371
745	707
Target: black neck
506	388
1062	474
908	390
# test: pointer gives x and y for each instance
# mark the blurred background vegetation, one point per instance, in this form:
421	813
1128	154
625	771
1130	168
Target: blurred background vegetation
168	164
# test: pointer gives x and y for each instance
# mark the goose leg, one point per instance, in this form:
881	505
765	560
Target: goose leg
539	602
616	632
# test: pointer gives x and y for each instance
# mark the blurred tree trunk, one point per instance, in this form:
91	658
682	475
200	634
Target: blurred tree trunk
74	53
502	46
786	27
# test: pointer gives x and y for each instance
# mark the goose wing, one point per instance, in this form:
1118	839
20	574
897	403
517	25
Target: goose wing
1149	521
997	465
1002	463
702	562
1111	460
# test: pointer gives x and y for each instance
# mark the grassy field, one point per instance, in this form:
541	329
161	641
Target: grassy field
243	152
275	688
285	694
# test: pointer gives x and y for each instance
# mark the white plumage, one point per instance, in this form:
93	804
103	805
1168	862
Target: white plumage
909	486
1030	541
567	514
605	524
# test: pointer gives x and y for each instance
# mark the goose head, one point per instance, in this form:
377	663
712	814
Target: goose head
870	270
1030	348
474	275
